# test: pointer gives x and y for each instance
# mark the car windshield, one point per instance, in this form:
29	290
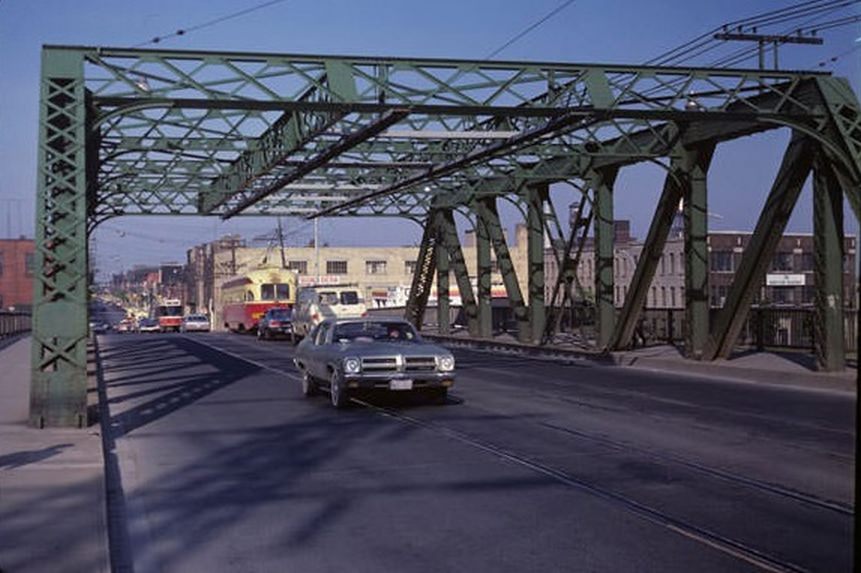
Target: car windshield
375	330
196	318
280	314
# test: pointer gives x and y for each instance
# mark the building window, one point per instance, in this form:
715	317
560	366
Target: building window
720	261
375	267
664	297
663	265
782	262
672	265
410	267
300	267
654	297
336	267
806	261
672	293
29	264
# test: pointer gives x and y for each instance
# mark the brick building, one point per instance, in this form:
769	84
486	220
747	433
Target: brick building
17	266
788	281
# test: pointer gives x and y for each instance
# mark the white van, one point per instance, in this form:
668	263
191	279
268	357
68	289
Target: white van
317	303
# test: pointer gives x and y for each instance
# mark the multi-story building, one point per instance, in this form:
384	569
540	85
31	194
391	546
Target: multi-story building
789	279
384	274
17	267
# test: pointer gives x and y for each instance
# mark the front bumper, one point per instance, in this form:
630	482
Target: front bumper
382	381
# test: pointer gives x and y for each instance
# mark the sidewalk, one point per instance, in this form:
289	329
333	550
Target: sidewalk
52	488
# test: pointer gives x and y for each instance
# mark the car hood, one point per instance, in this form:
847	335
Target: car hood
378	348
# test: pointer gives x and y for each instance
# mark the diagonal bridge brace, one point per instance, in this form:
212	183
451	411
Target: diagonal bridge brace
343	145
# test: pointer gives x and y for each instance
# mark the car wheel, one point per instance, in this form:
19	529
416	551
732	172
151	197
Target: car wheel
337	392
259	334
309	385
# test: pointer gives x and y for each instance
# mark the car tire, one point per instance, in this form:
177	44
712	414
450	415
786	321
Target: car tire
309	385
337	392
259	334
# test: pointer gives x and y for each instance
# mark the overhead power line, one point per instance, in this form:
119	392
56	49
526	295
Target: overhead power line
529	28
209	23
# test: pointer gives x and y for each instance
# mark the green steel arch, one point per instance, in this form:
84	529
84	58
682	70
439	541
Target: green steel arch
155	132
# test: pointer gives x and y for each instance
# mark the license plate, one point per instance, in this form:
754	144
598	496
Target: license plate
401	385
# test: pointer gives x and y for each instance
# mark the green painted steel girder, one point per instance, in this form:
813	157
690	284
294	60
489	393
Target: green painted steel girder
487	213
796	165
604	229
58	394
828	267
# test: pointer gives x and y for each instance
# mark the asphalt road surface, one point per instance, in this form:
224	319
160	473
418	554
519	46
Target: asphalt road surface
218	463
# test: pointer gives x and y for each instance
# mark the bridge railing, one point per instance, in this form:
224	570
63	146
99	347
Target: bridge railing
775	327
12	323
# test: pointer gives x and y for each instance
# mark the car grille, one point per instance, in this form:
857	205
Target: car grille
385	364
419	364
392	364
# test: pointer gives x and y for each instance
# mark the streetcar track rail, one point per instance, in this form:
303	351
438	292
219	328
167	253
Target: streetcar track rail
719	542
722	543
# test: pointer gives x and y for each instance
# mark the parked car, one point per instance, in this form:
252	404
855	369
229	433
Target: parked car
345	355
148	325
277	321
317	303
99	327
126	325
195	323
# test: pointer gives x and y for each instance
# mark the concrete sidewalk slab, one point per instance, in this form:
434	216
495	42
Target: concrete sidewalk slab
52	488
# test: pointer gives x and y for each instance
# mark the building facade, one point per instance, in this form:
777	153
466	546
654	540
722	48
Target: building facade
384	275
788	280
17	267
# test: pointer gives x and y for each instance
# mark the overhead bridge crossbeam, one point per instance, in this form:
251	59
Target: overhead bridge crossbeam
155	132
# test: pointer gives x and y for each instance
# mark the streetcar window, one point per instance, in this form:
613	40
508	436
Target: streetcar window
274	292
249	295
267	292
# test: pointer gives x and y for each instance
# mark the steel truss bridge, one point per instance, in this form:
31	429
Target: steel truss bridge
155	132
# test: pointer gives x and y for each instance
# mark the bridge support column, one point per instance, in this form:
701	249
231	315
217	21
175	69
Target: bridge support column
696	251
828	267
58	392
536	195
443	305
794	169
448	237
602	186
483	272
487	213
424	273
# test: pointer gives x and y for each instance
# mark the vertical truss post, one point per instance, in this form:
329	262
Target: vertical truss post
696	251
443	305
601	183
828	267
448	237
794	169
58	394
566	279
488	214
483	273
676	186
536	196
425	269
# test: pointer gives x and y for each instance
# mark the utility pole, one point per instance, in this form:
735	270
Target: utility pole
317	247
764	40
281	243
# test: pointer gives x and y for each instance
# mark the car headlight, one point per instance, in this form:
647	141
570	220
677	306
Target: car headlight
446	363
352	365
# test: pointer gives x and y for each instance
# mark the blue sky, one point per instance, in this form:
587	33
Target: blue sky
611	31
